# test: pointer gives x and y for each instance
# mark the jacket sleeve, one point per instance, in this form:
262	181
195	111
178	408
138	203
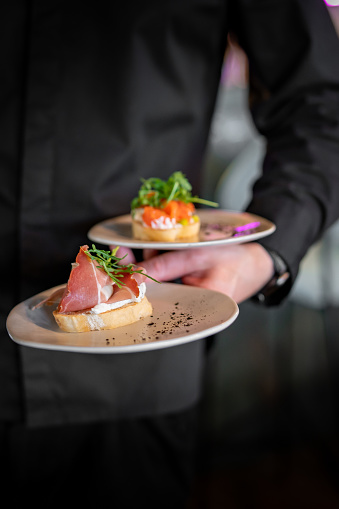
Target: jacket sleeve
293	53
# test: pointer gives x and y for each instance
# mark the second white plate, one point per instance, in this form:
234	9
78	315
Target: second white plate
217	227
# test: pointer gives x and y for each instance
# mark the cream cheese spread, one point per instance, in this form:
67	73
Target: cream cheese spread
103	307
162	223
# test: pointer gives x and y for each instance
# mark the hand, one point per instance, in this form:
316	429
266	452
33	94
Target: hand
239	270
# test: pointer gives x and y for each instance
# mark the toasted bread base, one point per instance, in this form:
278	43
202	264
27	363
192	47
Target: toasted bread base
189	232
87	321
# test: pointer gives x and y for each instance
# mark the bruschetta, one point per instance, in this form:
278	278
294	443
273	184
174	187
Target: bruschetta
101	293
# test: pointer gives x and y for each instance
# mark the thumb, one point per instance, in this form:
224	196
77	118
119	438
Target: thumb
174	264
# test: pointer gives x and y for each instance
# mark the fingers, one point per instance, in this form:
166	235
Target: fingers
149	253
124	252
175	264
213	279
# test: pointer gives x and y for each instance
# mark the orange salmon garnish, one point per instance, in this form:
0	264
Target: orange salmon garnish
179	210
152	214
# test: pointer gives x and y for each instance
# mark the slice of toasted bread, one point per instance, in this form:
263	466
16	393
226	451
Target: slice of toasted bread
86	321
188	232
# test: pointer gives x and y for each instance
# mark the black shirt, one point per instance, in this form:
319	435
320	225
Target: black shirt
94	97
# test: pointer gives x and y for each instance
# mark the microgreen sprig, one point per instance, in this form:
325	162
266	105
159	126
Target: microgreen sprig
157	192
110	263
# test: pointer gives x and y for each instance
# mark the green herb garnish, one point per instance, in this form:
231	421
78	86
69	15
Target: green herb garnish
110	263
157	192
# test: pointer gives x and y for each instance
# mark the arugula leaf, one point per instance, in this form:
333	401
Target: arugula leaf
109	262
157	192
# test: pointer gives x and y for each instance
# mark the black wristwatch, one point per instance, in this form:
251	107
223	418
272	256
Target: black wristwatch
281	275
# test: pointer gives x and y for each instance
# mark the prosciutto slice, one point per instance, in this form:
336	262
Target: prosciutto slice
89	285
130	288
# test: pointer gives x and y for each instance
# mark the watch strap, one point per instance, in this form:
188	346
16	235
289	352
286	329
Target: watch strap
281	275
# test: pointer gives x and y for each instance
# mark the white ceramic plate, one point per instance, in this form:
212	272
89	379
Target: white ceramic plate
217	227
180	314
